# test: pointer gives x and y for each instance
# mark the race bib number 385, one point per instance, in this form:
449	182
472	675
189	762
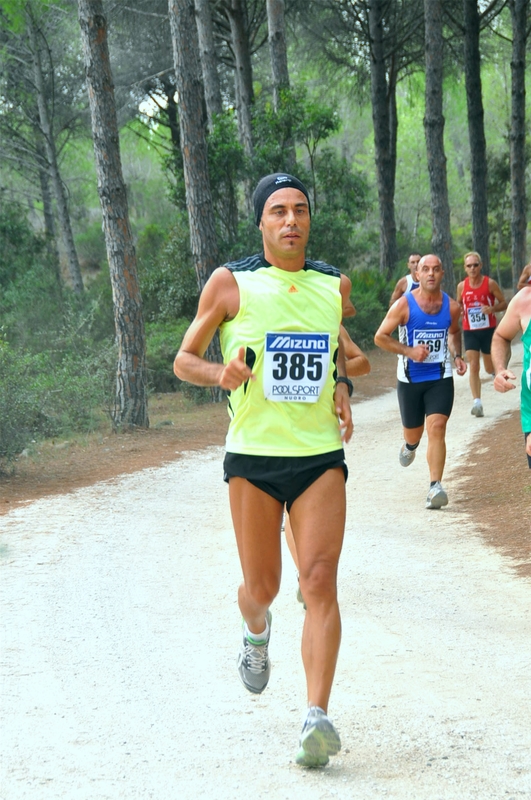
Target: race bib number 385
295	366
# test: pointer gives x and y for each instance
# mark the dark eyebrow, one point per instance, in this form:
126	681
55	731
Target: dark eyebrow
301	204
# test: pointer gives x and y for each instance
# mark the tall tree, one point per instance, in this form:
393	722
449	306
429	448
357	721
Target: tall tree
203	240
236	13
384	121
434	131
386	36
519	16
38	87
278	54
476	132
131	407
35	39
277	48
193	139
207	55
468	21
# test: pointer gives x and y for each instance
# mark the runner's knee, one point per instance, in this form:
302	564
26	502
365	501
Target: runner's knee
263	589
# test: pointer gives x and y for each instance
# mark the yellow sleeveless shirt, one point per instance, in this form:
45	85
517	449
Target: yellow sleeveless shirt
288	323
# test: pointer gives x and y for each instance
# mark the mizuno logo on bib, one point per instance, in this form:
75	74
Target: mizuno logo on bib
295	366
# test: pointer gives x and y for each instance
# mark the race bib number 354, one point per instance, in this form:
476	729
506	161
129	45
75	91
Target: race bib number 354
295	366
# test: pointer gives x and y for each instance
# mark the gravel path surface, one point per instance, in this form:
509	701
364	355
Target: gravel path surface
120	630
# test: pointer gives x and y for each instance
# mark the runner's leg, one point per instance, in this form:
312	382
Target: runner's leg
413	435
436	451
257	518
487	363
318	523
473	372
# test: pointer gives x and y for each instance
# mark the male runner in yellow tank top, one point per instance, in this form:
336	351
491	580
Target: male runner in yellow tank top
279	316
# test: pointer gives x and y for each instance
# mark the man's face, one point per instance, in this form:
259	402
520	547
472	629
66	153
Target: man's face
430	273
412	263
285	224
472	266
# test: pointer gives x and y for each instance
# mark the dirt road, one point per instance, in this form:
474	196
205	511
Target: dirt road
120	630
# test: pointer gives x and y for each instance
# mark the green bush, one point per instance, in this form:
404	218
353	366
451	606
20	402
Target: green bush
163	339
370	295
168	282
20	403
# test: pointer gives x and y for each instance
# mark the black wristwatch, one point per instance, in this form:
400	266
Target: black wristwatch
348	382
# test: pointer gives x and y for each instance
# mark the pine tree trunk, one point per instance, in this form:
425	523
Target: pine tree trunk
203	240
519	10
278	53
207	55
51	157
476	134
244	72
384	137
47	206
434	132
131	407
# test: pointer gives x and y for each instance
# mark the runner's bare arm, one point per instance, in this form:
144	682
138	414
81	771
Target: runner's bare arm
501	305
397	315
500	350
523	280
219	301
345	288
342	399
454	338
459	295
356	361
398	291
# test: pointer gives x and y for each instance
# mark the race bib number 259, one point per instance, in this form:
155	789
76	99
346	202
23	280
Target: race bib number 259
295	366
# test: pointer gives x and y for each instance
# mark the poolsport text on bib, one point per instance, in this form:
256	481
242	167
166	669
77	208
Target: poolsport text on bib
295	366
434	341
477	319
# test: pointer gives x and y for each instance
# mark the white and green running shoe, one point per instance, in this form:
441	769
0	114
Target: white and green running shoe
319	740
254	666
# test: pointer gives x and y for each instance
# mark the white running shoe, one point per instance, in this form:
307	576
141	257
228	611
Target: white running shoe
319	740
254	666
406	456
437	497
477	409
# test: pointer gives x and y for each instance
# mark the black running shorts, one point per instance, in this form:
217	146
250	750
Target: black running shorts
525	440
282	477
419	400
479	340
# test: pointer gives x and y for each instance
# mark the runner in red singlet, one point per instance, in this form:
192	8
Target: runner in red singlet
480	299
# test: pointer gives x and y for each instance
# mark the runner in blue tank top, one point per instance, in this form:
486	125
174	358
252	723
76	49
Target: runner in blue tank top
429	338
408	282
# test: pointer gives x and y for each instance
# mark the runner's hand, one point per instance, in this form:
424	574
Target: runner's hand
502	381
461	367
419	353
343	411
235	372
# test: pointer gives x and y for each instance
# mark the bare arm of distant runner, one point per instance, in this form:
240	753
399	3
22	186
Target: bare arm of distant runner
501	345
399	290
523	280
356	361
459	295
454	338
501	305
219	301
397	315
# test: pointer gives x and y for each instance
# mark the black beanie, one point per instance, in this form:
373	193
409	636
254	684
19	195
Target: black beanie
272	183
